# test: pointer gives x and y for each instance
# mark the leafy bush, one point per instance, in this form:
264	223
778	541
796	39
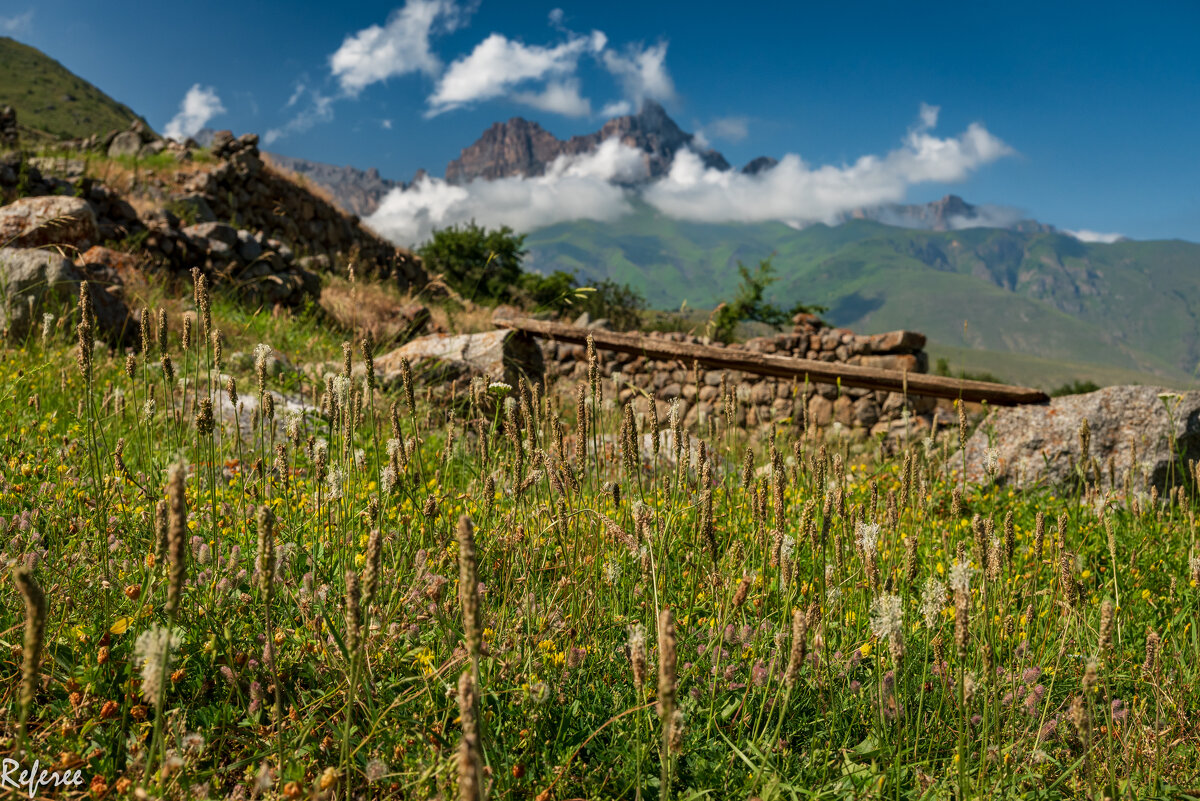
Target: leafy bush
1075	387
620	304
480	264
750	306
942	368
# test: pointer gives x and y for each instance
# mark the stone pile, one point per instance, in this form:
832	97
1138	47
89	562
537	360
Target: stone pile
238	220
246	191
764	399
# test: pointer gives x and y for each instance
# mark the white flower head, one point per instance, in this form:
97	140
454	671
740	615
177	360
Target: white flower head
47	324
153	646
376	770
262	352
887	616
993	460
932	599
867	535
336	477
786	547
293	419
387	479
499	388
960	576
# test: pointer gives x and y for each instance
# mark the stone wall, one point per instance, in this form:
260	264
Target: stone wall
764	399
244	189
236	219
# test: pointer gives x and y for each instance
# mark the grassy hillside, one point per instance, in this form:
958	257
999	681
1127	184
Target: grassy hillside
1047	374
1130	306
48	97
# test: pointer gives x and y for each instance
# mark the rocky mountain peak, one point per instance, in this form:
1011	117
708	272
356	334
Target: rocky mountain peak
521	147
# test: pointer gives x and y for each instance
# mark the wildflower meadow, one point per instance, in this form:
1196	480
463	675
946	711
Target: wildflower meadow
223	581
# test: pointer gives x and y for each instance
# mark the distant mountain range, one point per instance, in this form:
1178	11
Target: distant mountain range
521	147
356	191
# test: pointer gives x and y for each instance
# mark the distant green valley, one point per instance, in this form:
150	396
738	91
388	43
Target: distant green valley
1127	309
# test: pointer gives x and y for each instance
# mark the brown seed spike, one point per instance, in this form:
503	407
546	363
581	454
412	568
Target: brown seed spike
35	633
176	535
468	586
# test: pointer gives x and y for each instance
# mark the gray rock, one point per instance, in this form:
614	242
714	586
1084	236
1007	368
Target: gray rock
1040	444
248	247
242	418
34	222
152	148
35	282
126	143
194	209
160	220
213	230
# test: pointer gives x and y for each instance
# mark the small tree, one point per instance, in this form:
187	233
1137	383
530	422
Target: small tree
480	264
749	304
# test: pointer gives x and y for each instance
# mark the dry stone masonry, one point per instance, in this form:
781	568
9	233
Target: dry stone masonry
764	399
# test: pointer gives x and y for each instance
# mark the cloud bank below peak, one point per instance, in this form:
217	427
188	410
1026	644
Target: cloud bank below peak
791	191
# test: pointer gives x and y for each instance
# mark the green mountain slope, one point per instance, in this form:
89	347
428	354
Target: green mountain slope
48	97
1130	306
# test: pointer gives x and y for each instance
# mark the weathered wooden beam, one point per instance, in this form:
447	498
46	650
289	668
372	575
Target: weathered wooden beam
850	375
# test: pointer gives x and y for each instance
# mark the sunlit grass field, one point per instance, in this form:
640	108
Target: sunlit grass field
359	594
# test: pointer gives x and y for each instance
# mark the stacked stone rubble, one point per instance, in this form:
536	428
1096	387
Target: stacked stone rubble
761	400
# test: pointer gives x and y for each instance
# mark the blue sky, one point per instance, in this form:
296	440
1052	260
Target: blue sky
1097	104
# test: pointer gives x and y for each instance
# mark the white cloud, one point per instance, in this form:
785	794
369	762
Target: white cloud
642	72
399	47
320	109
1084	235
18	23
559	97
199	105
618	108
929	116
579	187
798	192
556	18
297	93
386	124
587	187
498	65
729	129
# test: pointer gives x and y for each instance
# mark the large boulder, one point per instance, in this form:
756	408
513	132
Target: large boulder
1041	444
35	282
502	355
34	222
126	143
221	232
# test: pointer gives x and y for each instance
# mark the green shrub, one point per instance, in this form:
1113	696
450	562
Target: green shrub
749	305
1075	387
480	264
